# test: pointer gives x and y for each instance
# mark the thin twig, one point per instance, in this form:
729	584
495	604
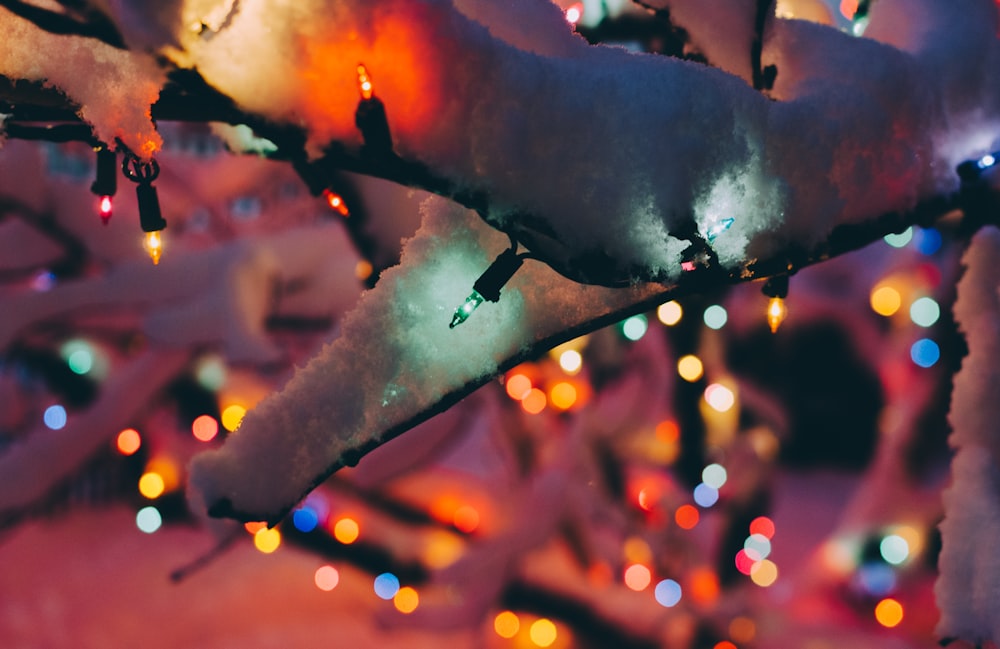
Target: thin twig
97	26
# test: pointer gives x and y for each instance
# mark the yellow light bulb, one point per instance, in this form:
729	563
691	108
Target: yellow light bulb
776	313
364	82
154	246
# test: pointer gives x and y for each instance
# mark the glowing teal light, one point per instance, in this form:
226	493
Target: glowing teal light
719	228
79	356
757	547
715	317
55	417
463	312
925	352
894	549
667	593
634	328
211	373
925	312
148	519
386	585
899	240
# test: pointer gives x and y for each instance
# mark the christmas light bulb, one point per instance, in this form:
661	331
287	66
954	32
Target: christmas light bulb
154	246
364	82
719	228
336	202
104	209
776	313
463	312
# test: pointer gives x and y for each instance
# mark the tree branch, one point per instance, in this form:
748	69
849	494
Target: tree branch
95	26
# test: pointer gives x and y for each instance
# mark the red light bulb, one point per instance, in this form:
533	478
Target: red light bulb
104	209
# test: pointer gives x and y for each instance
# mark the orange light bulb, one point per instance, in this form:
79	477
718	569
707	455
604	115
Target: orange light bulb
364	82
776	313
154	246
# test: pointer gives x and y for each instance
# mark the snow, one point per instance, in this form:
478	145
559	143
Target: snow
968	589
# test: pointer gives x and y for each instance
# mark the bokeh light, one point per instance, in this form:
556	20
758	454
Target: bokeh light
714	475
305	519
205	428
406	600
928	241
518	386
899	240
924	312
543	632
571	361
719	397
466	519
168	469
704	585
386	585
744	562
635	328
669	313
690	368
80	361
764	573
885	300
715	317
925	352
705	495
232	416
534	402
267	540
211	373
757	547
346	530
128	441
762	525
637	577
876	578
148	519
506	624
686	517
151	485
326	578
724	644
894	549
562	395
889	612
742	629
55	417
667	593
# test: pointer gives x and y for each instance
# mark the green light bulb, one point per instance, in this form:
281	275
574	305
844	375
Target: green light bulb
463	312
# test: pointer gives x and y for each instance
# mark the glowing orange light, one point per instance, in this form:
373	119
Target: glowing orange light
776	313
336	202
542	632
562	395
406	600
363	270
686	517
704	585
764	573
128	441
637	577
848	8
647	497
889	612
534	402
168	469
205	428
518	386
151	485
254	526
742	629
725	644
364	82
154	246
346	530
267	540
506	624
574	13
668	431
104	209
762	525
466	519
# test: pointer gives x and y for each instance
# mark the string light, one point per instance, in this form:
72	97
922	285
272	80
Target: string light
488	285
336	202
719	228
143	174
776	288
370	117
105	183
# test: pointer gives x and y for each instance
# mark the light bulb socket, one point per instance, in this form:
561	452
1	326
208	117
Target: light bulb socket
106	178
776	286
371	120
499	273
150	217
